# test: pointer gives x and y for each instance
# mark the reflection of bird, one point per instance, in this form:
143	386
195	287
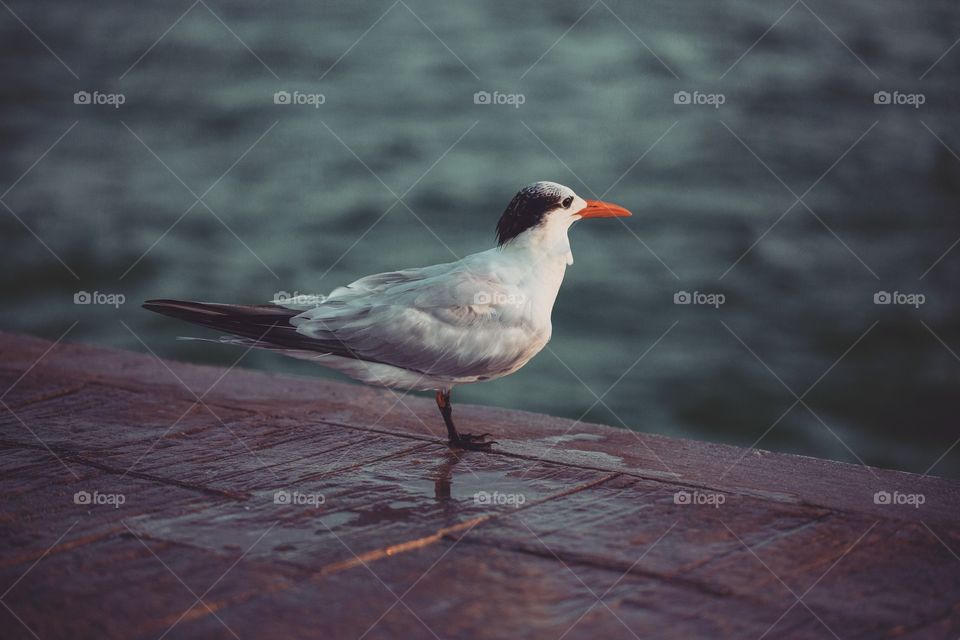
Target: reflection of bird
428	328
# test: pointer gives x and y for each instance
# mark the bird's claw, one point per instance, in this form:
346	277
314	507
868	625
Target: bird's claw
473	442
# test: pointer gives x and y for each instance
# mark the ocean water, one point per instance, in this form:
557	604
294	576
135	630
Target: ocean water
781	186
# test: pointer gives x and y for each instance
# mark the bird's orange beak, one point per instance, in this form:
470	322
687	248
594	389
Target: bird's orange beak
601	209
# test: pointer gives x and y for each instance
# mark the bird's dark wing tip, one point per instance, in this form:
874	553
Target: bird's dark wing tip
156	305
267	325
183	309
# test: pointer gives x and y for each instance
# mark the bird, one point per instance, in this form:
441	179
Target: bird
429	328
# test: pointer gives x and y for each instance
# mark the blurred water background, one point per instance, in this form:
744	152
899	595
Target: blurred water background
300	198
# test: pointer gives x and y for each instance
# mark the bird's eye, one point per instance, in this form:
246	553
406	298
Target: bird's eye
567	202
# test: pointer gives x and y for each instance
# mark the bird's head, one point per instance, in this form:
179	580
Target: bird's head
548	203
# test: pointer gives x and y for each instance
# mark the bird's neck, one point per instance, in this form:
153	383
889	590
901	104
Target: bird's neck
545	246
540	257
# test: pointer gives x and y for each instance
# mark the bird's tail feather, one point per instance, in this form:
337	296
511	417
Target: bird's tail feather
265	325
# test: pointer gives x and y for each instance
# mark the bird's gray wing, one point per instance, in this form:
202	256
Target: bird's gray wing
445	321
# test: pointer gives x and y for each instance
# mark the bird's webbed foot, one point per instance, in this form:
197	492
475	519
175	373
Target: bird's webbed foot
472	442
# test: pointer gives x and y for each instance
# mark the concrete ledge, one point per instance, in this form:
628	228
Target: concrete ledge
380	529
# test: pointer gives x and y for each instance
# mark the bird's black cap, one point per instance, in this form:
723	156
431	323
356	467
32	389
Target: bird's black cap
528	208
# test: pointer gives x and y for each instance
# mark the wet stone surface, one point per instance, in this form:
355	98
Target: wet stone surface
288	507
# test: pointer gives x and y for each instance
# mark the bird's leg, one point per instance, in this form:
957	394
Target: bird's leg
446	410
455	439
